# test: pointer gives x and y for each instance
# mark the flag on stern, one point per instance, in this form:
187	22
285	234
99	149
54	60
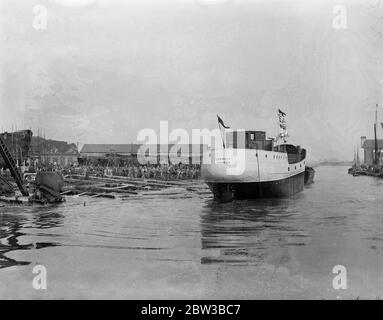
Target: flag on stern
220	122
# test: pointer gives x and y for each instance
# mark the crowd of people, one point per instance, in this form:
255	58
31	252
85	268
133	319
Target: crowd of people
131	170
157	172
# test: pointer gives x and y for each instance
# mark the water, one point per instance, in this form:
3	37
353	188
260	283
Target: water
195	248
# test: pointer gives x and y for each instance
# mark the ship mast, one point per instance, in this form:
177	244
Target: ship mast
376	158
357	158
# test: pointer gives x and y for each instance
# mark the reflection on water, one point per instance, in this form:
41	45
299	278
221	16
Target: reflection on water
11	225
9	232
336	221
243	231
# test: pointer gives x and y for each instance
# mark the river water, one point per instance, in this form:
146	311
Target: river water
194	248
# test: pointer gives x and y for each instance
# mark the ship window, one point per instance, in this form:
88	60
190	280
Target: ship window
288	169
295	167
252	136
265	155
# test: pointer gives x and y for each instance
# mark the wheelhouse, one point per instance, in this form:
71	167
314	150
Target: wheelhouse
246	139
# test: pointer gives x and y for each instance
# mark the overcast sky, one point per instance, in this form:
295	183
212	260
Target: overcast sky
103	70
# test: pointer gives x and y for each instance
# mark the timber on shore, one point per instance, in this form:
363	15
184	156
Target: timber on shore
125	188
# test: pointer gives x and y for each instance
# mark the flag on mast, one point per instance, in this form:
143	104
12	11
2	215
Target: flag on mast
221	123
282	125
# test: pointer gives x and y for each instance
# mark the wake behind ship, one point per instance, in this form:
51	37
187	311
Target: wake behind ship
265	168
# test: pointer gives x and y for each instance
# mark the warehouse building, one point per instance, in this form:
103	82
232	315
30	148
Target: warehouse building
53	152
368	145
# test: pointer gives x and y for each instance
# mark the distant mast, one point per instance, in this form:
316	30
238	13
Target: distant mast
357	158
376	158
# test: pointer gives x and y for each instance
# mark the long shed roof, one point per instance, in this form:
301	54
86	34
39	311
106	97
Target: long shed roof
124	148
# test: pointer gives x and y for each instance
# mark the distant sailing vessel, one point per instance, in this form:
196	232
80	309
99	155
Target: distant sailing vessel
270	169
356	168
376	168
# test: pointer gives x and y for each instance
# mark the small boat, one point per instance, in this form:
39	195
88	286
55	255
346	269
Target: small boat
48	187
309	175
356	169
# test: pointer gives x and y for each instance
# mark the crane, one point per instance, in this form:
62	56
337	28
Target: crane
10	163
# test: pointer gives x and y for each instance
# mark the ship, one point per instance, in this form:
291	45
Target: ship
251	166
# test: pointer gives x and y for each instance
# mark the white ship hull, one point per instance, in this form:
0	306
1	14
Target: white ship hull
248	173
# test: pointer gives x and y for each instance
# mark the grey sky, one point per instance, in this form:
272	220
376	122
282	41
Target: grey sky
103	70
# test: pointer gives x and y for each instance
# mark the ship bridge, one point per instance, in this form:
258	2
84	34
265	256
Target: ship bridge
248	139
251	139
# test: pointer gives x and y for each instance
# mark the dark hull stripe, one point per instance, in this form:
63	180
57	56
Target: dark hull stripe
253	190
